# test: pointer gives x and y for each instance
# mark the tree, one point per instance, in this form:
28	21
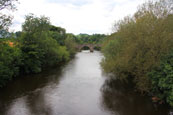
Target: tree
58	33
7	4
92	39
35	31
5	21
136	49
71	44
38	47
34	24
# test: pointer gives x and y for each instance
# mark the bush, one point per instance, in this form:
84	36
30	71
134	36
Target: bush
162	79
10	59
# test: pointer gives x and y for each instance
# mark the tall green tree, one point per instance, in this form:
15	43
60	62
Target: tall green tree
58	33
35	24
38	47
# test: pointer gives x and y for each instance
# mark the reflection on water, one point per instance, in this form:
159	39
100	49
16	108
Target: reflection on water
78	88
120	98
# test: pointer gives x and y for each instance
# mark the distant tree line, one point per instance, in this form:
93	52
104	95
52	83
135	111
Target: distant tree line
141	49
90	39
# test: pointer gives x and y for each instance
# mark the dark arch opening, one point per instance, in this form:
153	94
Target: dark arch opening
85	48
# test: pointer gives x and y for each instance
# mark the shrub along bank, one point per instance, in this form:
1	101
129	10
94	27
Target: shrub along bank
141	48
39	45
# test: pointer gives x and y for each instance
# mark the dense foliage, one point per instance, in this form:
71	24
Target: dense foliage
10	58
59	34
37	46
140	49
71	44
162	79
91	39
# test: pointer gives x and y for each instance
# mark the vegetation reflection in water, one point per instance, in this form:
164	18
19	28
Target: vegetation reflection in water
119	98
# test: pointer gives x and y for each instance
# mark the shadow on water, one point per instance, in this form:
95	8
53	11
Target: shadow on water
120	98
26	91
37	104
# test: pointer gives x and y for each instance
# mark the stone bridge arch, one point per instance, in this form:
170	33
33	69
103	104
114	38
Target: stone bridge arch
90	46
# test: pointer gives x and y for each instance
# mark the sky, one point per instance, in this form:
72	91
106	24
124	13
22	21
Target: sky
77	16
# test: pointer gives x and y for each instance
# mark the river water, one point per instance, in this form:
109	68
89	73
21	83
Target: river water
78	88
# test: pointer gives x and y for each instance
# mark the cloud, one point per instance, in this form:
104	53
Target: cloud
77	16
73	2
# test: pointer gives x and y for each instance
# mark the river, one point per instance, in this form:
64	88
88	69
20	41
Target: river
77	88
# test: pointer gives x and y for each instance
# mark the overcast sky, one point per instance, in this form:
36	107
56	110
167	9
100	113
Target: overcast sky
77	16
